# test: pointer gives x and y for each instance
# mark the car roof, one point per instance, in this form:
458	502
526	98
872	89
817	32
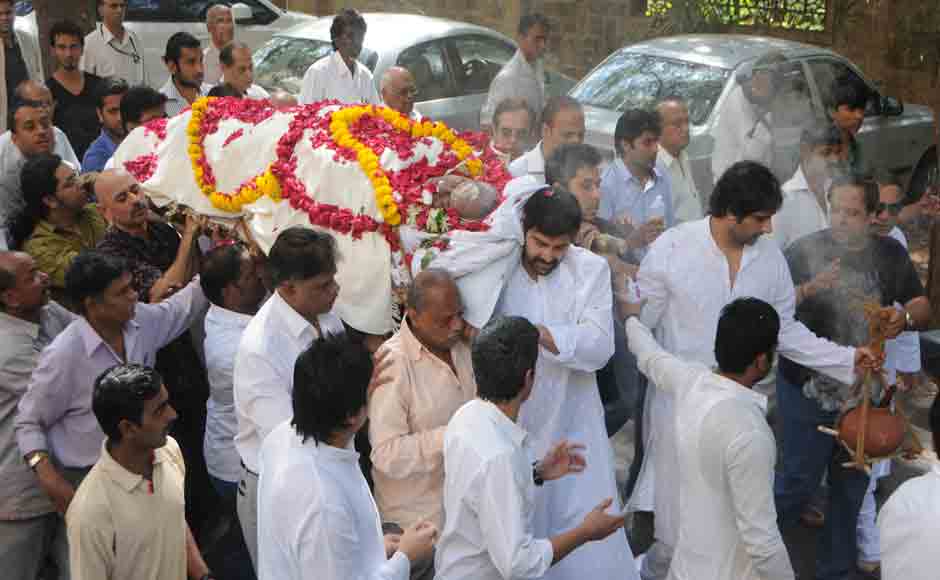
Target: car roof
723	50
384	29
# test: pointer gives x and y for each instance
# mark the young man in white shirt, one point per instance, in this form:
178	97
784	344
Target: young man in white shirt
562	122
183	59
113	51
805	209
726	449
910	520
690	273
302	265
490	482
340	75
316	514
673	159
221	30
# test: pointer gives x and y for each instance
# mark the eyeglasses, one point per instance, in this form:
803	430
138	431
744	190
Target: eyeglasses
892	208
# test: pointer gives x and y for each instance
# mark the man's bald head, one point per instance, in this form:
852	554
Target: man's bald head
121	200
30	90
435	311
399	90
24	289
430	281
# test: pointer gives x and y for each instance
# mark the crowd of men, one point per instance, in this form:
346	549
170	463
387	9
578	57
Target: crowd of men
164	384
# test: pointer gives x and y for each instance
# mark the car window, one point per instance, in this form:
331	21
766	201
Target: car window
480	58
793	106
827	71
628	80
281	62
429	66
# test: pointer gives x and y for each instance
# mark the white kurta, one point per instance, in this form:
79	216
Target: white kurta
687	204
910	525
685	280
740	135
330	78
800	215
574	302
316	516
726	457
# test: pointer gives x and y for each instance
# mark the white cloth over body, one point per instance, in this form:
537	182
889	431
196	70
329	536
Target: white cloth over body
726	454
316	516
685	280
574	302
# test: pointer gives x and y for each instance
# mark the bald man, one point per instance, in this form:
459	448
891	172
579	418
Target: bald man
35	91
221	28
399	91
429	377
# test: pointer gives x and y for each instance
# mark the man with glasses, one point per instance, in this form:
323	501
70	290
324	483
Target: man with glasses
113	51
340	75
399	92
512	129
21	59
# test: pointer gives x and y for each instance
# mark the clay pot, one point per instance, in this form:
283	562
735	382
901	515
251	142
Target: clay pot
883	436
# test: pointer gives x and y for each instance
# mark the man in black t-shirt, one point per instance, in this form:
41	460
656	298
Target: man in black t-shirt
74	91
836	272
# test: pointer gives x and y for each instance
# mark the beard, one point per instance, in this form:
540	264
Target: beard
542	267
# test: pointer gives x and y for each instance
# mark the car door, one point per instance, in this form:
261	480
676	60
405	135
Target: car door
881	138
434	80
477	59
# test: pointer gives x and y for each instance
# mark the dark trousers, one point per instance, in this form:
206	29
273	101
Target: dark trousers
805	455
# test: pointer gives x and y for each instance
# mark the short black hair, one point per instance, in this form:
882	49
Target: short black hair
529	20
871	196
221	266
300	254
227	54
633	123
66	28
885	178
819	135
512	105
37	180
553	211
331	380
176	43
225	90
848	91
502	353
15	106
136	101
567	159
120	393
745	188
108	88
90	274
347	18
747	327
557	104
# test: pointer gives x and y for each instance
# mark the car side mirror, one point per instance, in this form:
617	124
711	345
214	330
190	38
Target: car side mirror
891	107
242	14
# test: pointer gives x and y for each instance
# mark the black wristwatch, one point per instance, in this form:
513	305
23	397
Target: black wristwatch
536	476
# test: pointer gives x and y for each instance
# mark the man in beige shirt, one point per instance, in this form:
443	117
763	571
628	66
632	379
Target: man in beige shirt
126	519
427	377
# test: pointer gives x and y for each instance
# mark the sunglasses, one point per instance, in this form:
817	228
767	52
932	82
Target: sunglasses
892	208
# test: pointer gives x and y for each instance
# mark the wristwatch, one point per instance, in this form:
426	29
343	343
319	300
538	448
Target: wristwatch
536	476
35	458
908	321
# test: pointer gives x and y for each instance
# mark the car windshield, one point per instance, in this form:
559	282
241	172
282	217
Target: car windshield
629	80
281	62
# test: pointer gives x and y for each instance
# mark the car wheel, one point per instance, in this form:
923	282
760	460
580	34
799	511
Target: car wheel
924	176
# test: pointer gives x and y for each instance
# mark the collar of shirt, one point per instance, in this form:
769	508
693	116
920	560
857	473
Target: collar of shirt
326	452
93	341
520	63
507	426
13	327
296	324
667	159
339	66
118	473
172	92
745	394
106	137
107	36
798	185
624	173
751	251
229	318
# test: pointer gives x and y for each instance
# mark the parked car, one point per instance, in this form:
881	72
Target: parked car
702	68
453	62
155	21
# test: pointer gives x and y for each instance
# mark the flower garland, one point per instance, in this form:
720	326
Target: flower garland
340	125
142	167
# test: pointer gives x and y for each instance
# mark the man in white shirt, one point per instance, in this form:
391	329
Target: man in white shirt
183	59
690	273
113	51
340	75
317	516
805	209
238	71
744	130
673	159
490	483
910	520
562	122
399	91
728	529
523	77
221	29
302	264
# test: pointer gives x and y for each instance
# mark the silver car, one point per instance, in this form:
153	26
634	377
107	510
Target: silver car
702	69
453	62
